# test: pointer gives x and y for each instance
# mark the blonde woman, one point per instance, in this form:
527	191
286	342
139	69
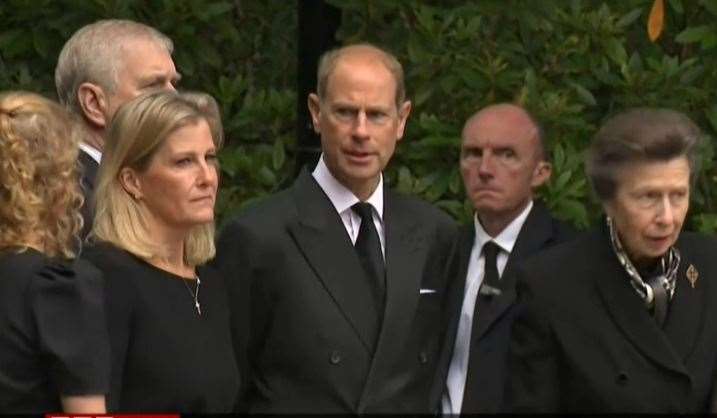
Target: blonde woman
54	353
167	313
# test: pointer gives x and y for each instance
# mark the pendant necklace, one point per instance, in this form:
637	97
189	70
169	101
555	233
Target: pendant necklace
194	295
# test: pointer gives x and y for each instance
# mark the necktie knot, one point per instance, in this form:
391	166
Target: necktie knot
490	250
363	209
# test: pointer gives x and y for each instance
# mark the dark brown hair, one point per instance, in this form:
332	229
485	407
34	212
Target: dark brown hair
640	135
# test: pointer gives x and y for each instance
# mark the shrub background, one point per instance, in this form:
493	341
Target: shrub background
570	62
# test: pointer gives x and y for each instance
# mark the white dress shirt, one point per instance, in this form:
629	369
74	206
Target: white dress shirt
91	151
456	380
342	198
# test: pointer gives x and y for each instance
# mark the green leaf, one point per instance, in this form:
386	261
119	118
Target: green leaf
694	34
711	6
616	51
629	18
676	5
278	155
584	94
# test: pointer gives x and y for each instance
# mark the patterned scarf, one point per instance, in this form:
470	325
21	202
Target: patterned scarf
669	263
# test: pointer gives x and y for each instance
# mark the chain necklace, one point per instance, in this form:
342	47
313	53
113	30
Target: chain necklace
194	295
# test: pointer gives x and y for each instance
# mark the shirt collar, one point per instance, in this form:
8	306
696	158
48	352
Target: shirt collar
91	151
340	196
508	236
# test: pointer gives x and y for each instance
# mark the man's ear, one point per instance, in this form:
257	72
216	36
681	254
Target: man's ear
403	113
315	110
94	104
130	183
541	174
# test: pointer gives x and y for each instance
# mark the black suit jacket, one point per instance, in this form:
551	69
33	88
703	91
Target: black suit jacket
302	330
491	333
89	169
584	341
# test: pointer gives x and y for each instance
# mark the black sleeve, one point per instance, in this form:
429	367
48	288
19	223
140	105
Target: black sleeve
66	302
120	296
533	383
238	254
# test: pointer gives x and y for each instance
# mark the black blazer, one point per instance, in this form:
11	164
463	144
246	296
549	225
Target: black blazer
300	319
584	341
89	169
489	341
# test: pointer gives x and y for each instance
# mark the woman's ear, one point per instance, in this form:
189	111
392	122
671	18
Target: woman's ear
131	183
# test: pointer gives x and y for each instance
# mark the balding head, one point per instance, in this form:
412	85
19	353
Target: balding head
508	119
502	162
359	52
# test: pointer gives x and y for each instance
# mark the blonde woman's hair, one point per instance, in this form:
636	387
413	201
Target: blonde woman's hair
137	131
40	195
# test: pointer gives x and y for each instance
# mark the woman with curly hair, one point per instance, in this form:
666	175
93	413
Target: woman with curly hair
54	352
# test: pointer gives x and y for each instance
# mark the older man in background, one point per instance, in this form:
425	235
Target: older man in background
503	160
103	65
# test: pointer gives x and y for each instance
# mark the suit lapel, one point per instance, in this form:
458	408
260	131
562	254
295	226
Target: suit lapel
321	237
628	311
534	234
686	319
406	248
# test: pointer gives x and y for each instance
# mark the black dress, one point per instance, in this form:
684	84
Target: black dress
165	356
53	339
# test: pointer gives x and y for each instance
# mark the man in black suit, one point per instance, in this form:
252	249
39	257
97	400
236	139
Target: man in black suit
102	66
337	283
502	161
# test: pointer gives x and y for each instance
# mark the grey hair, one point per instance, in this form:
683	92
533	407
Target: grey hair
93	54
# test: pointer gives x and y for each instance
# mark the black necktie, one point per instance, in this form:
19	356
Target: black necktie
490	268
489	288
368	248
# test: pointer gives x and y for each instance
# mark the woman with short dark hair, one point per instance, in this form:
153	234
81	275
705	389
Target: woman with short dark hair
620	320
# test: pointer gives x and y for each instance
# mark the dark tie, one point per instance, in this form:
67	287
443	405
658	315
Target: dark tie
368	248
490	277
660	299
489	288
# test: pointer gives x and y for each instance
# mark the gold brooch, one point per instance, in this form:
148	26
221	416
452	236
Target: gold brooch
692	275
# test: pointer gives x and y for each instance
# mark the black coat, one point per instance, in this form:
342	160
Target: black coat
491	334
89	169
584	341
301	321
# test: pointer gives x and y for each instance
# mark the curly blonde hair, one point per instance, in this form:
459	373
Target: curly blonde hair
40	195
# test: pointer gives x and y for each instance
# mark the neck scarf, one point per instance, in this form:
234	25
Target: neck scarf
669	264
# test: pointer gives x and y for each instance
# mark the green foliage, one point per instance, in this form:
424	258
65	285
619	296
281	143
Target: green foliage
243	53
571	63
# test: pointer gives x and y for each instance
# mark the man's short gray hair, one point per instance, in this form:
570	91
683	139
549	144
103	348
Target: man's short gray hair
93	54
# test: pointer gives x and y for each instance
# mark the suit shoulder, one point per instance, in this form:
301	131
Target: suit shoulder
563	264
700	246
421	208
264	212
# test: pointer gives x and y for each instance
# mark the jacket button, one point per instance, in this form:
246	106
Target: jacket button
622	378
335	357
423	357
